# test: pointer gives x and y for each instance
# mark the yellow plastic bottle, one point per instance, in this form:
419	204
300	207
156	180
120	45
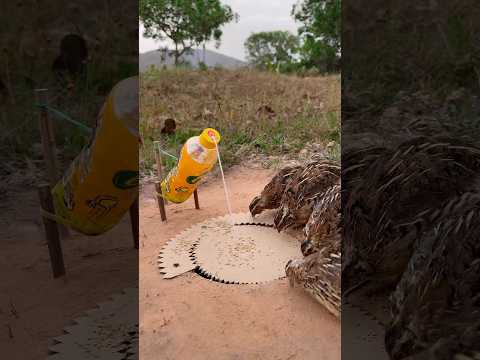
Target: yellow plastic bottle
102	182
198	156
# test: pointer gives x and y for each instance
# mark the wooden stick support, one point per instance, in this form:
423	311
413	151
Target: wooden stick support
159	163
195	197
48	138
134	221
51	232
47	133
158	189
161	203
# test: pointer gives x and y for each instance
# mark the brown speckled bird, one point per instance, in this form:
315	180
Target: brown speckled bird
436	304
384	214
408	216
310	196
272	193
299	196
323	227
411	228
320	275
320	271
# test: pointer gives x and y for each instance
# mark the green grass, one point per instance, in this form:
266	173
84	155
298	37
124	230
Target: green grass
279	139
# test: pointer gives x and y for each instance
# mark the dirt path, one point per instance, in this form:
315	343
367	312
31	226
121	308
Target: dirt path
192	318
34	307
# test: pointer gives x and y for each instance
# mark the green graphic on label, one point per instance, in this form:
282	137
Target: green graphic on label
193	179
126	179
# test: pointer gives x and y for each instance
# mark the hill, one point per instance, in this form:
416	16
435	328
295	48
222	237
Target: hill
212	59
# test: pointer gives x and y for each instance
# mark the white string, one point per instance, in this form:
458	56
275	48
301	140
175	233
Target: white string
227	198
164	152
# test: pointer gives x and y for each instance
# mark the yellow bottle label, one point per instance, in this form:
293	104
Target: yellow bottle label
102	182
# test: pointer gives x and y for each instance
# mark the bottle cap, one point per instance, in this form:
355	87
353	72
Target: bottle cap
208	137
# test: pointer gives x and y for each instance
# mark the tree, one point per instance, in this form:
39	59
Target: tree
185	22
321	33
211	15
274	49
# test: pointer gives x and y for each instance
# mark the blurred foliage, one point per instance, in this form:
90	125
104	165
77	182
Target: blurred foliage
30	37
392	46
320	32
273	50
316	49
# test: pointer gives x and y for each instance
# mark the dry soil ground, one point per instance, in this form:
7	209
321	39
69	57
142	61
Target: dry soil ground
190	317
33	306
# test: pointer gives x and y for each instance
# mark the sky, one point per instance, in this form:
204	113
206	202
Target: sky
255	16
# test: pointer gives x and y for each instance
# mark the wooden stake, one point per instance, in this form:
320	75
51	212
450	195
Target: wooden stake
158	188
51	232
161	203
48	138
195	197
47	133
134	222
159	162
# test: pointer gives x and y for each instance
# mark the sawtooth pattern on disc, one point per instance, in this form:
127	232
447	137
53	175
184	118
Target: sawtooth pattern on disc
108	332
363	331
242	254
263	219
175	258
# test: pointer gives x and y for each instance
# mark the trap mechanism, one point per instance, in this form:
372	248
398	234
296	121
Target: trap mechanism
234	250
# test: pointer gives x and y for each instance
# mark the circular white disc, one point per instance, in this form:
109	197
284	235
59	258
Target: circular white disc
243	253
